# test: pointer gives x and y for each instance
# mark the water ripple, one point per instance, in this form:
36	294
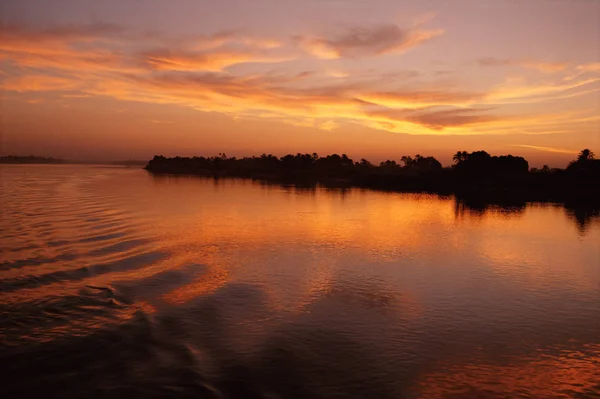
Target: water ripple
114	284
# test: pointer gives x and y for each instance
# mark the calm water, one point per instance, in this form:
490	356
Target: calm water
115	283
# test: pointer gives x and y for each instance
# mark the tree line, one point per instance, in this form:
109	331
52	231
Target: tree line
475	174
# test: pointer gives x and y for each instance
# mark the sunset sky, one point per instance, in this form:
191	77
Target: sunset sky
121	79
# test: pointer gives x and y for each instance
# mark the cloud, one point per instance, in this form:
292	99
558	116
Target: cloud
73	48
61	34
177	60
67	95
328	125
592	67
337	74
196	72
541	66
37	83
547	149
493	62
441	119
207	42
515	93
358	42
545	67
318	48
434	118
104	47
419	98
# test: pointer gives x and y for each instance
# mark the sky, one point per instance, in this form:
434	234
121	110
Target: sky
375	79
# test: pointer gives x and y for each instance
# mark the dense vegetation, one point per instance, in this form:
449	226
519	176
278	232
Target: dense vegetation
477	175
29	159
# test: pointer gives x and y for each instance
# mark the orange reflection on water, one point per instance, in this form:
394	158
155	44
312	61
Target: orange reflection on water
517	247
407	273
215	278
566	374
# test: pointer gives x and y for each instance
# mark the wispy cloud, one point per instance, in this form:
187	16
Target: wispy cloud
440	119
165	59
510	92
197	72
38	82
541	66
411	99
546	149
592	67
337	74
105	47
360	41
546	67
434	118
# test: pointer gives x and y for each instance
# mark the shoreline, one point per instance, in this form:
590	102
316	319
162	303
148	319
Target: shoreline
470	194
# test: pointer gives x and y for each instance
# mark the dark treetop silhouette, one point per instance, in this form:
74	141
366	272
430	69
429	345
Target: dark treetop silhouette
477	175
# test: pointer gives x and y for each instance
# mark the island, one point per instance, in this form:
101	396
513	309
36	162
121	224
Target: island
477	176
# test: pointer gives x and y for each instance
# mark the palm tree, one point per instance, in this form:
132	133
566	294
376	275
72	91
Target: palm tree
585	155
460	156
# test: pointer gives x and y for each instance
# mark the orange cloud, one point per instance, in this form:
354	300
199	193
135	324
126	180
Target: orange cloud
38	83
367	41
541	66
592	67
546	67
208	61
337	74
193	72
517	93
413	99
441	119
62	34
430	120
547	149
104	50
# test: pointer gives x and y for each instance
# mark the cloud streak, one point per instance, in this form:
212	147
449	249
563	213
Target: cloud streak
546	149
541	66
366	41
197	72
165	59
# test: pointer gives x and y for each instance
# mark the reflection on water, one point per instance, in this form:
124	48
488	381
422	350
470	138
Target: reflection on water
115	283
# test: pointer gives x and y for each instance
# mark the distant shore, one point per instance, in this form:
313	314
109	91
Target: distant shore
475	176
32	159
12	159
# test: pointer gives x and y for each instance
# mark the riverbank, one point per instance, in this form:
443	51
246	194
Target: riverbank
501	180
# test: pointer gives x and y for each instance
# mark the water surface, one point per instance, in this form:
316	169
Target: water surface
116	283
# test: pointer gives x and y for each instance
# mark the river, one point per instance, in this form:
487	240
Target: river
115	283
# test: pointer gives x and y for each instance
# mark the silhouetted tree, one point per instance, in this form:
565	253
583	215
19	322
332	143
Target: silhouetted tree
460	156
420	162
585	164
407	160
585	155
477	176
364	163
388	164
